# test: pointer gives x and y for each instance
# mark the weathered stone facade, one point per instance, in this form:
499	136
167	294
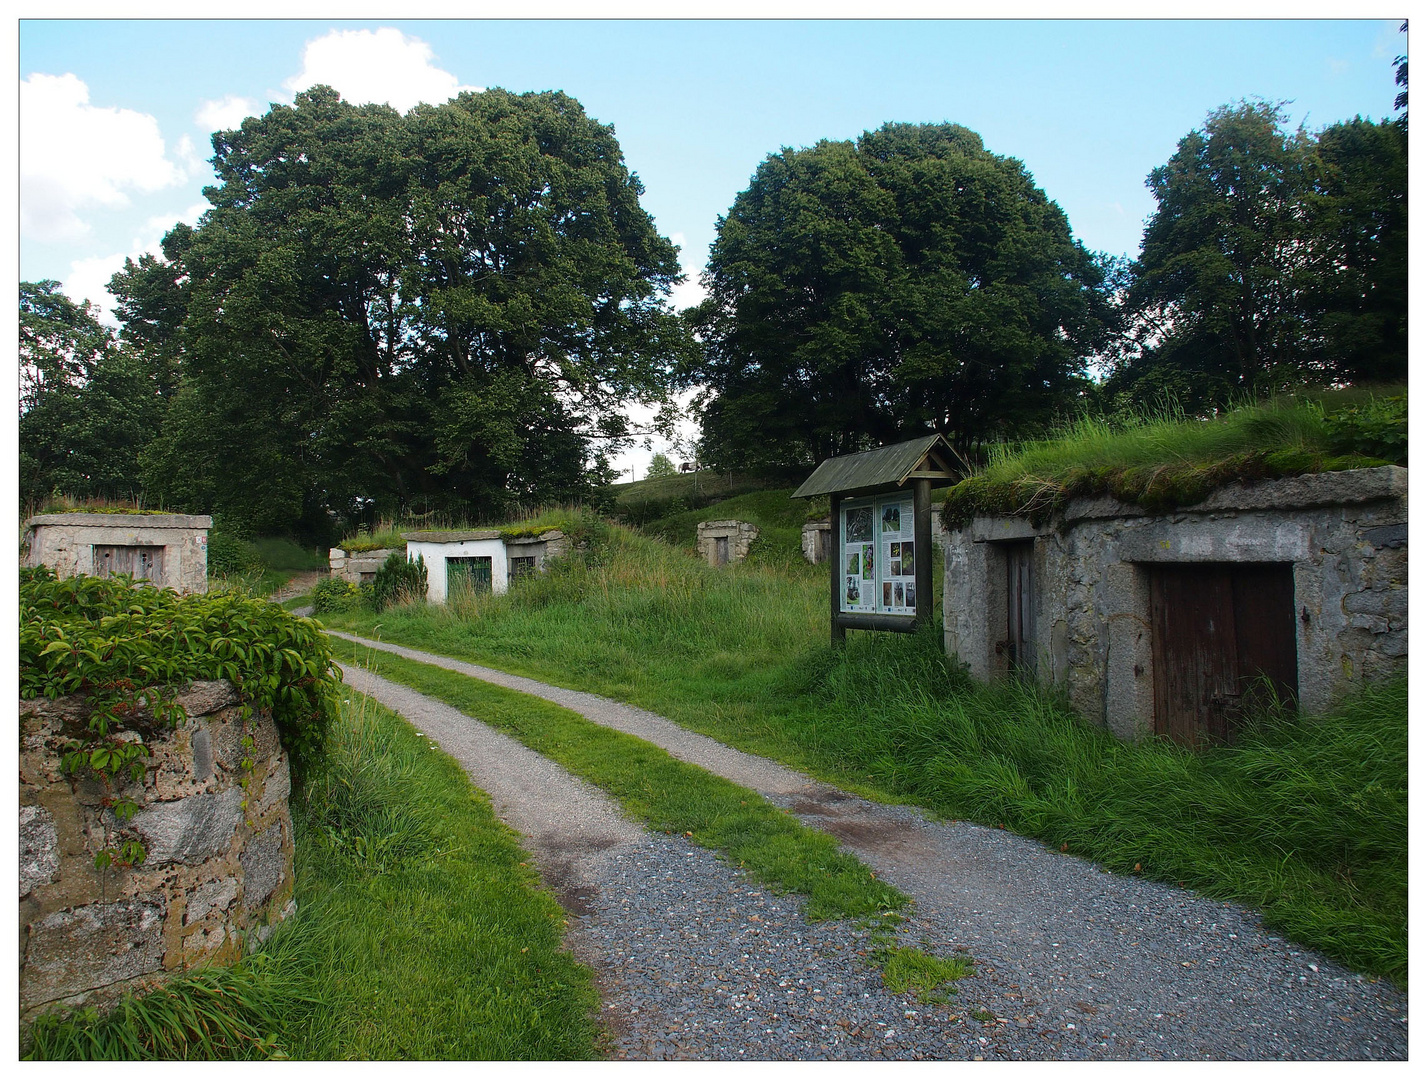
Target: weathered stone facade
357	567
736	536
175	546
817	541
218	868
1344	535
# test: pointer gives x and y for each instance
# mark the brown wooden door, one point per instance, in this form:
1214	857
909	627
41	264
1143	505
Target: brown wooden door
1222	633
1020	608
720	551
142	562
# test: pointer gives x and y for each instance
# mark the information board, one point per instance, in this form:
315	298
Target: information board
878	555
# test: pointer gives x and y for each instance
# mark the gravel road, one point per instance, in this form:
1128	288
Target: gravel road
696	961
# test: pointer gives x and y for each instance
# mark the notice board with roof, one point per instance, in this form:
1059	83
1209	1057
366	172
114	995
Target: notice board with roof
882	532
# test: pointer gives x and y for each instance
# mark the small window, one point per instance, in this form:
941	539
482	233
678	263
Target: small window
521	566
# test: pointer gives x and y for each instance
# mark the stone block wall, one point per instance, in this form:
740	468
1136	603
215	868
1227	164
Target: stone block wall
1344	534
357	567
739	534
817	541
218	871
66	542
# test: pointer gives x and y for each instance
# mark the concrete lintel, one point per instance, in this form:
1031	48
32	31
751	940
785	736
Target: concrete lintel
128	522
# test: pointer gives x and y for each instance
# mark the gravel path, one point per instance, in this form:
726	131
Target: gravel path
1072	962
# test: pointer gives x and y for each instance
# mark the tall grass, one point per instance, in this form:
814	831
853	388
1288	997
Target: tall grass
1305	819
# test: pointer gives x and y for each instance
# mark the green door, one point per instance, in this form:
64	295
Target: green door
468	574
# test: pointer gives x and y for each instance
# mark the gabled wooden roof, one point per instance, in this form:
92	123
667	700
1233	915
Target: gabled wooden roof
883	469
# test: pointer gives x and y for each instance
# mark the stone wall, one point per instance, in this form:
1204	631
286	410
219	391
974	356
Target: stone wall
1345	535
817	541
66	543
739	534
218	871
357	567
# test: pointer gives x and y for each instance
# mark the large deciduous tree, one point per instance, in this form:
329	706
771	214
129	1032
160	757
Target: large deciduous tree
87	404
1275	258
438	310
911	281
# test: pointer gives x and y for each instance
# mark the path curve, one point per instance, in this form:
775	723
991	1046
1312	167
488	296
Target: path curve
1132	967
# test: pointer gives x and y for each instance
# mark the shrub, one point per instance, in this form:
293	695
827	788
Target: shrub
228	554
333	595
397	580
127	646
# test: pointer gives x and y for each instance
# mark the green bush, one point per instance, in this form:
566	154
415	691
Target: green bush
229	554
398	580
127	647
332	595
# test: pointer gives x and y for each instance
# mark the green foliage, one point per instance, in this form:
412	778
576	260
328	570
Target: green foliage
212	1014
334	594
930	978
1275	258
231	555
432	311
399	580
910	280
660	466
127	647
87	403
1172	461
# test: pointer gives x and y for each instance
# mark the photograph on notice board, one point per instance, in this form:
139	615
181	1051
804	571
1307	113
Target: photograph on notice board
854	591
906	555
896	551
894	568
886	594
911	594
867	550
854	558
897	598
892	519
859	524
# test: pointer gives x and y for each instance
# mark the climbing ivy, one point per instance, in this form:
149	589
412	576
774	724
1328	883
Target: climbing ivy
128	647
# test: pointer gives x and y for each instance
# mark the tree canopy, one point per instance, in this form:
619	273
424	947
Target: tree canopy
442	309
862	292
87	407
1276	257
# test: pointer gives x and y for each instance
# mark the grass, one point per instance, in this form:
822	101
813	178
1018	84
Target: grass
1305	821
420	934
666	794
521	522
1163	461
930	978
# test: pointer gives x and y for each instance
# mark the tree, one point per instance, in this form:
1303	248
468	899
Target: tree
660	466
442	309
87	405
912	281
1275	258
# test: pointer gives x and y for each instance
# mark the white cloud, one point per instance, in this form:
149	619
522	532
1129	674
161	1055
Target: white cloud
75	156
88	279
691	292
225	114
376	66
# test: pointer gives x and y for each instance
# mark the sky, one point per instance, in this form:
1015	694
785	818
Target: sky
116	116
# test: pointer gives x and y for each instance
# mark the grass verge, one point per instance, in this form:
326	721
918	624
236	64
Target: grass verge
658	789
420	934
1305	820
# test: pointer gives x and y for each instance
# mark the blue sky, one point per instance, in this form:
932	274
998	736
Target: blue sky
116	115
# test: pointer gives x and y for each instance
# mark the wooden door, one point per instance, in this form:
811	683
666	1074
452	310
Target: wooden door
1020	608
720	551
1222	634
143	562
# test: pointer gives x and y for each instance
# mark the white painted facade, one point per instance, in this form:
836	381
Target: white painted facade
435	553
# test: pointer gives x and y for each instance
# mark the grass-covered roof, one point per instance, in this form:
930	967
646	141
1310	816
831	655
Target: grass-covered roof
1160	463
